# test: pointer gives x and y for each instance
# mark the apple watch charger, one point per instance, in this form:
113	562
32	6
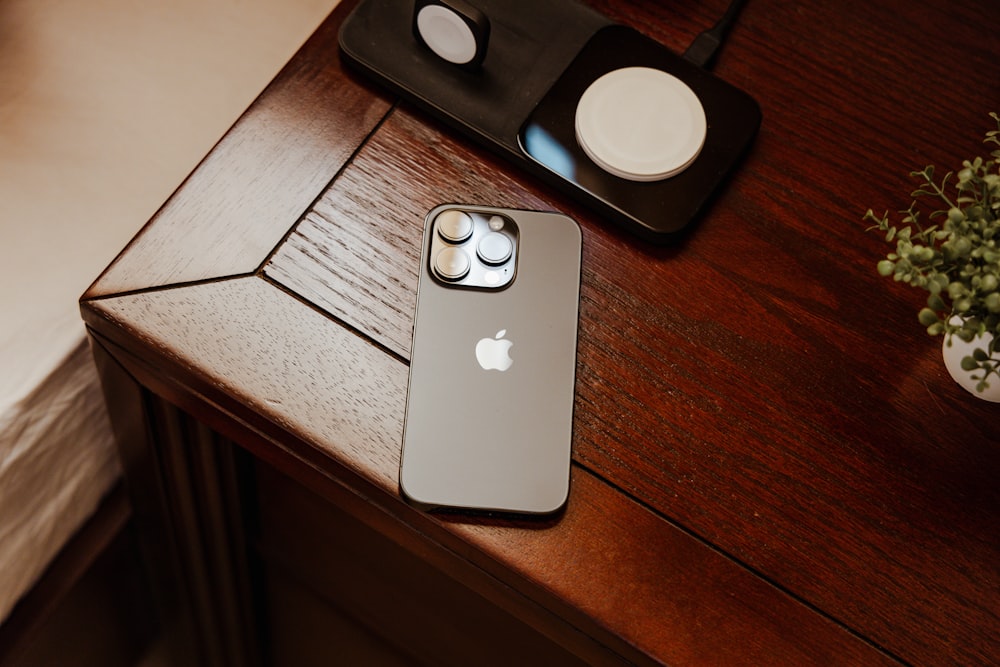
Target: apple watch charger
454	30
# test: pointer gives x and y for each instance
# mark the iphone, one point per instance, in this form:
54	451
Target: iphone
489	412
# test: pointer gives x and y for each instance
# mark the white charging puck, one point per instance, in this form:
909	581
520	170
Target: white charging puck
447	34
641	124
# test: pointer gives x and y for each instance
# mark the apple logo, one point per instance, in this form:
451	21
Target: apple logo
494	353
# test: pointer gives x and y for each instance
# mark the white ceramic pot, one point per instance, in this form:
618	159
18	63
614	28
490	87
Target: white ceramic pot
953	355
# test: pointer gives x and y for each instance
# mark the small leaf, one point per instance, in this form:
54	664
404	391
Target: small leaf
934	301
927	317
992	302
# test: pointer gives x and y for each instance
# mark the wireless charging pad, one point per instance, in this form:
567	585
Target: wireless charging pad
640	124
544	97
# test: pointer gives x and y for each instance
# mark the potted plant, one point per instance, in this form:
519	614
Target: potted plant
955	256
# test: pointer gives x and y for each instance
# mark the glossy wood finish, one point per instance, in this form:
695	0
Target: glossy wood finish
770	462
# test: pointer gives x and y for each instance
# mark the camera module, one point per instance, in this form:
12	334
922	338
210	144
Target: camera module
473	248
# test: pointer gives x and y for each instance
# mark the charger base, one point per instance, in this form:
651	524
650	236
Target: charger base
521	101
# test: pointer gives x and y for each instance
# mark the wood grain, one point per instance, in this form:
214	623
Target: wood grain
356	253
771	462
691	414
334	401
751	389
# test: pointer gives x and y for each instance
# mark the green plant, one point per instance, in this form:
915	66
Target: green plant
957	259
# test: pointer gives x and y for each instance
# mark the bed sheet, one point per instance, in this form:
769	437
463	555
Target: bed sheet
57	461
105	107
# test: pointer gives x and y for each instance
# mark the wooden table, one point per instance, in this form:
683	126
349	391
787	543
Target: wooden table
771	465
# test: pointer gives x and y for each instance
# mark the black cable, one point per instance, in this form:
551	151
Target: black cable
704	47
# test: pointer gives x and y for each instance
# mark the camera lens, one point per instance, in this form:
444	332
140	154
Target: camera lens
494	248
452	264
454	226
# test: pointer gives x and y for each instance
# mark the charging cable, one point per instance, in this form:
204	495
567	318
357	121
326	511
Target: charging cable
706	45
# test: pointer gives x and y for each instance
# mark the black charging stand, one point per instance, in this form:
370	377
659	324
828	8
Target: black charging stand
521	100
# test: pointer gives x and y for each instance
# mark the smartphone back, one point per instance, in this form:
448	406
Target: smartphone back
490	402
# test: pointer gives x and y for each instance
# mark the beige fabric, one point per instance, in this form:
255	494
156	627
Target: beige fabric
105	107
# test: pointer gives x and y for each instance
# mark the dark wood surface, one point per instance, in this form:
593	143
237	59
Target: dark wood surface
770	461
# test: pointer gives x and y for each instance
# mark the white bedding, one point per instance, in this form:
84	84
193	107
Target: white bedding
56	463
105	106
